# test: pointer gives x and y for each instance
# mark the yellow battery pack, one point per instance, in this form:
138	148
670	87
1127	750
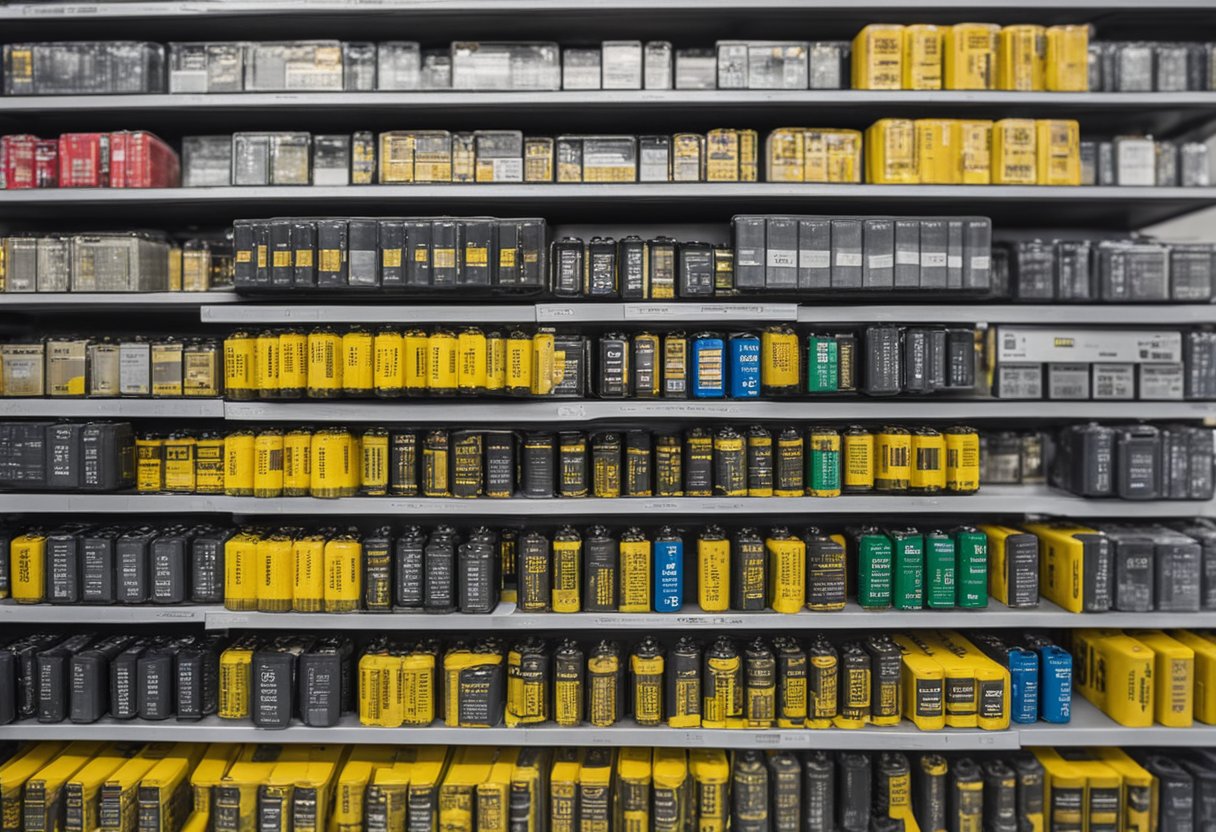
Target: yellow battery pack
938	155
17	771
27	559
635	573
343	574
991	679
1103	790
595	787
212	767
308	573
494	793
429	767
975	151
713	571
1022	58
998	563
633	790
470	767
1119	678
891	152
275	573
1137	788
1057	152
878	56
786	556
1067	59
240	571
1205	673
1064	791
529	790
1074	568
833	156
1173	678
923	681
710	771
922	61
353	778
563	790
671	790
961	690
1014	152
970	56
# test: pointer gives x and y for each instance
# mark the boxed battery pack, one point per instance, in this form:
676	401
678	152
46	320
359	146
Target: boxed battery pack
1076	567
505	66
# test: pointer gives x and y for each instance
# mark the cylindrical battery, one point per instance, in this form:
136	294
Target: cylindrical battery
496	362
209	464
534	593
528	683
614	371
1000	797
435	464
675	366
962	460
388	363
928	474
357	363
749	810
857	448
748	571
667	586
780	367
818	792
417	356
297	463
239	464
929	780
374	462
853	796
634	571
518	363
722	686
538	464
324	364
786	555
856	686
646	675
267	364
708	366
823	682
499	463
544	363
966	795
293	364
893	451
403	463
698	462
600	576
759	685
788	464
149	463
439	566
826	568
479	581
1029	773
759	462
823	463
468	464
569	676
713	570
240	367
442	363
669	465
601	273
647	368
638	479
573	480
409	568
378	571
605	685
893	784
268	464
471	361
791	683
743	366
606	465
885	674
682	705
566	560
730	463
180	471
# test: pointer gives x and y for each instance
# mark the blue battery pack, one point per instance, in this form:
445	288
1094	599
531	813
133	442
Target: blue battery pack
744	367
668	575
1023	684
1055	683
708	367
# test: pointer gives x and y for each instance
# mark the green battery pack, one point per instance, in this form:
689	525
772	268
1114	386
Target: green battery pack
939	570
872	564
907	568
822	364
971	567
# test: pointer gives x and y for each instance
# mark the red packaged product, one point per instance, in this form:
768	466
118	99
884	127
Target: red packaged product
46	163
139	159
17	168
84	160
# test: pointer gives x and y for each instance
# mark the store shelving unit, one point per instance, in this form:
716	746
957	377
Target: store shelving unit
1106	208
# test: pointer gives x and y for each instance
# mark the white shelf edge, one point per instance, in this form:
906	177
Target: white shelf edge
14	613
20	300
97	408
507	411
391	310
1089	726
991	500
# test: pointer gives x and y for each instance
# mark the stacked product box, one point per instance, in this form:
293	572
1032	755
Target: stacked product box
123	159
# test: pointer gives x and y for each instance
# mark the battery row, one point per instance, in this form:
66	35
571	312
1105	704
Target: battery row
132	261
1145	677
1013	457
853	254
122	159
70	366
1071	363
1145	161
67	456
391	363
1134	462
971	56
1104	271
697	462
1148	66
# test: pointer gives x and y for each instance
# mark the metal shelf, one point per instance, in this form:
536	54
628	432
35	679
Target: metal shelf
853	617
1111	207
1089	726
389	311
212	729
516	412
98	408
990	501
14	613
1010	313
1159	113
22	301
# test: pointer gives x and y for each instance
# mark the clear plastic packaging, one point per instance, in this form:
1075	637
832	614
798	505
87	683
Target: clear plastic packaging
84	68
828	65
119	263
622	61
1133	70
657	65
499	155
506	66
294	66
290	157
436	70
206	161
359	67
250	158
54	266
398	66
696	69
206	67
581	69
331	160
